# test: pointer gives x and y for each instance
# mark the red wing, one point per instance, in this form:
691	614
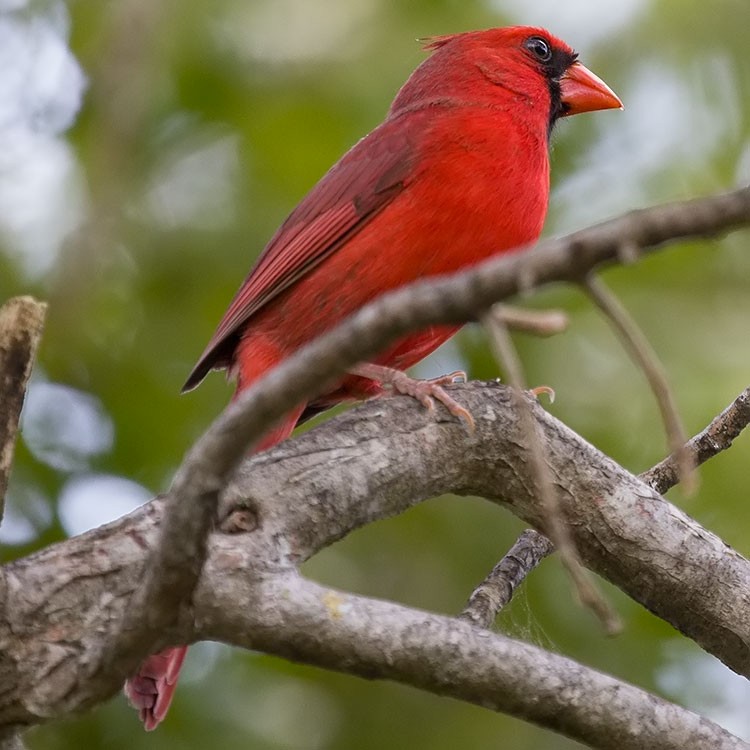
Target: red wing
361	184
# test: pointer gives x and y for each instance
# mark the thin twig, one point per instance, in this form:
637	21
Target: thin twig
557	530
643	354
715	438
535	322
497	589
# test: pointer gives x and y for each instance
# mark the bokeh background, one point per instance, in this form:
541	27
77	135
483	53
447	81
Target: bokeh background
149	149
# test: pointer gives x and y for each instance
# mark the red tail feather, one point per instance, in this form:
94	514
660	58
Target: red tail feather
151	689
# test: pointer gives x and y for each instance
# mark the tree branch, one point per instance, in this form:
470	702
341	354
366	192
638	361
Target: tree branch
458	299
376	639
531	547
644	356
534	322
463	297
21	323
497	589
623	530
372	462
67	648
717	437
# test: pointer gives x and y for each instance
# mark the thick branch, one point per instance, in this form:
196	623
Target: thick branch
191	500
623	530
376	639
372	462
532	547
21	322
69	602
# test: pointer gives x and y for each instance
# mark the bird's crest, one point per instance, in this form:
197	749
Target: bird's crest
435	42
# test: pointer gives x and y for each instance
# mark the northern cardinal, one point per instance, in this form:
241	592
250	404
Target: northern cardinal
457	172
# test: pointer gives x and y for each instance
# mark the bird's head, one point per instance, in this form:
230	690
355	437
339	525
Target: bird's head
518	66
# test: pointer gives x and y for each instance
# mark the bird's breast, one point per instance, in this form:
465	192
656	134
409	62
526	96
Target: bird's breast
483	191
478	189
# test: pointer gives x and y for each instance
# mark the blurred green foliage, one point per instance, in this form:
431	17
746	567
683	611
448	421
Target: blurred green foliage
202	125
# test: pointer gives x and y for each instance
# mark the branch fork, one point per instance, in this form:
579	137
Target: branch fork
82	602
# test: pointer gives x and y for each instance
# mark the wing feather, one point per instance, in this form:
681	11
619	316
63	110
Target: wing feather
360	185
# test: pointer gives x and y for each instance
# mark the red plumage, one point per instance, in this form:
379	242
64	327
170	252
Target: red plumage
457	172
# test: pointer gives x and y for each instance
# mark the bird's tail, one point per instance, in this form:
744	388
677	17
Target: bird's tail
151	689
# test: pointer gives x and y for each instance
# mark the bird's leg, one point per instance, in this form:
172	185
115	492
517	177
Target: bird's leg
425	391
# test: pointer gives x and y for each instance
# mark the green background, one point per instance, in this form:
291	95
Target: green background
201	125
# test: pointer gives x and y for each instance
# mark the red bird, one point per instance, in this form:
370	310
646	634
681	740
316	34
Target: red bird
457	173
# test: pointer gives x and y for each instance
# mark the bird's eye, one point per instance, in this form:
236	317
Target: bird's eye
540	48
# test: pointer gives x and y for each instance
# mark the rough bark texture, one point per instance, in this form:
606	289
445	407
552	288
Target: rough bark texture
717	437
496	591
63	602
21	322
77	617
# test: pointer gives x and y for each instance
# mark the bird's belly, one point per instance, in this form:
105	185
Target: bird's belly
415	347
402	355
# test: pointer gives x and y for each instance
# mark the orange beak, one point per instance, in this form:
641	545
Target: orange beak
582	91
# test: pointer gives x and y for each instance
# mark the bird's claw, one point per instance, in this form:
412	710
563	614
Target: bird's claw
424	391
457	376
429	391
540	389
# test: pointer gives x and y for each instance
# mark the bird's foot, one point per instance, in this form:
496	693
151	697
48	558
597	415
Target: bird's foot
424	391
